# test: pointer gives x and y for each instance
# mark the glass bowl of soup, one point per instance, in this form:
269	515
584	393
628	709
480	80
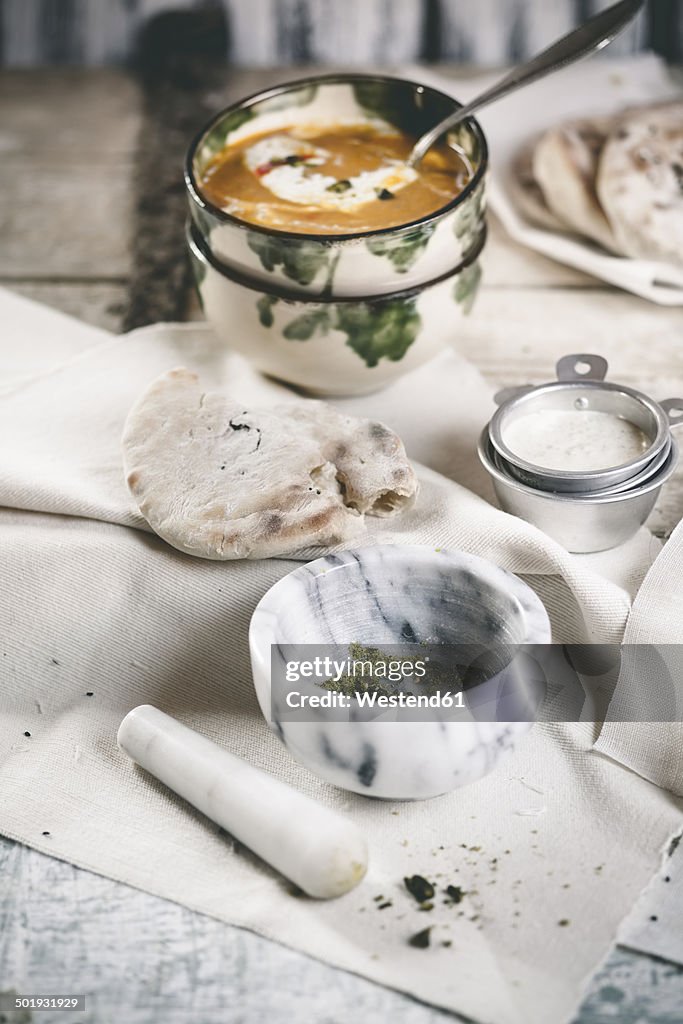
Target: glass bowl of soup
306	186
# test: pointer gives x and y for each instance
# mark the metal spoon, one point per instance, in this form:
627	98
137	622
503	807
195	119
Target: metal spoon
594	35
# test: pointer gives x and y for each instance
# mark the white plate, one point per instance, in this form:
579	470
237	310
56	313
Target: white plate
601	85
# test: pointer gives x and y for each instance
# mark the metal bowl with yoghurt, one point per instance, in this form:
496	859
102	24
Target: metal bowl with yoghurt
581	523
643	428
580	457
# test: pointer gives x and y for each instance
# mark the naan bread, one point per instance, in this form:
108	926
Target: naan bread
220	481
640	183
565	165
528	195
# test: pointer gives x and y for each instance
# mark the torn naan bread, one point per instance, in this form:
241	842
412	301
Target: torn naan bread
220	481
565	165
640	183
528	194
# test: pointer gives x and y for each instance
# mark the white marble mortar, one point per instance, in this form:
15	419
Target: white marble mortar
386	595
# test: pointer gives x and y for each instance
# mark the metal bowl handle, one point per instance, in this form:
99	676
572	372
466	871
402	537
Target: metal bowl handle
673	407
582	366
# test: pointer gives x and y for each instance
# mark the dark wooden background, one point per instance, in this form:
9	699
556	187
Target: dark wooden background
270	32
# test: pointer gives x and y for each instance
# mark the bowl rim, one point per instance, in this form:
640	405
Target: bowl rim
201	251
515	407
661	477
482	568
203	203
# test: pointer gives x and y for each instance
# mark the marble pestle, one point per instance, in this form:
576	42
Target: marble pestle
313	846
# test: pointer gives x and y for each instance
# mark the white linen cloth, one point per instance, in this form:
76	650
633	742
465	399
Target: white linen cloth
98	615
590	89
653	748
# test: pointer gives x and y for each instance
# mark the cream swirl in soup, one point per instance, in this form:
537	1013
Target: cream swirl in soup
282	163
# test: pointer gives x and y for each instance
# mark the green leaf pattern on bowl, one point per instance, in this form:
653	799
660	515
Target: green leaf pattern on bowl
300	98
404	251
216	139
300	261
265	309
466	287
302	328
382	331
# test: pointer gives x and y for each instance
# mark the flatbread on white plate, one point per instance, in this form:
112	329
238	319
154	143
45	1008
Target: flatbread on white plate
528	194
565	166
220	481
640	183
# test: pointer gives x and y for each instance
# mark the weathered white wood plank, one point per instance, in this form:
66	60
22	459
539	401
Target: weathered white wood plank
359	32
540	22
515	336
100	305
67	141
56	237
139	959
633	38
492	32
108	31
266	32
355	32
478	32
67	116
507	264
632	987
253	32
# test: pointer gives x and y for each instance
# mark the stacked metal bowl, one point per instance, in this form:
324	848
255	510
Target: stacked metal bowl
584	510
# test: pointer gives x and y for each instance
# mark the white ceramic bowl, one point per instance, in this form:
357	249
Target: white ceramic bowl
370	263
381	595
332	346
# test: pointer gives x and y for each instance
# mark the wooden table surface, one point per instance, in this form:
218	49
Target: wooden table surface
67	145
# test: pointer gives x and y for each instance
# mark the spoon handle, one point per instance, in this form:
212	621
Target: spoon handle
593	35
